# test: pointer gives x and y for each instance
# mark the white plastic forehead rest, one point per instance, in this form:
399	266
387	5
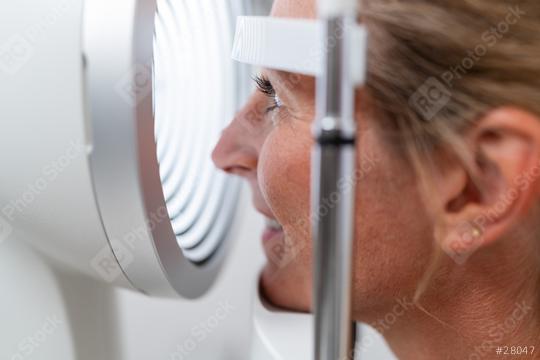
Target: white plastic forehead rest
293	45
328	8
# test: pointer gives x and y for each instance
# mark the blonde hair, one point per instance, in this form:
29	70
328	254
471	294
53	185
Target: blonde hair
482	54
473	55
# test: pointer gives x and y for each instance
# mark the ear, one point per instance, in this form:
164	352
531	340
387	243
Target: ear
484	201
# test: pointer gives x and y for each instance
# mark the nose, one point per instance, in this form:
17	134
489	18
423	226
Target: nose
236	151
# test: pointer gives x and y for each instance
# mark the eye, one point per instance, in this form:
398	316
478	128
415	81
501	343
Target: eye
265	86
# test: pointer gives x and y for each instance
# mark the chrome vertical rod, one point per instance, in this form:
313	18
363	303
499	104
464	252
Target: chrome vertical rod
333	198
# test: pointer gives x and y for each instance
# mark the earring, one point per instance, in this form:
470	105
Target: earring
476	232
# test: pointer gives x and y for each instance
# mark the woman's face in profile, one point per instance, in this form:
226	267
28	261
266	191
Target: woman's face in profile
415	227
269	144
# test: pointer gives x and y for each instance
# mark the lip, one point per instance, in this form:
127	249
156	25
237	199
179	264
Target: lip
271	234
272	241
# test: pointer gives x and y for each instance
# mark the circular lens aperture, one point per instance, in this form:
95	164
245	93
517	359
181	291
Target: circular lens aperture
195	95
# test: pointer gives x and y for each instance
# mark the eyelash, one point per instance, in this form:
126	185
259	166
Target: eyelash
265	86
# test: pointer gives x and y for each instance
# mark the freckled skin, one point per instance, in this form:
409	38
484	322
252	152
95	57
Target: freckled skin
284	173
394	232
392	243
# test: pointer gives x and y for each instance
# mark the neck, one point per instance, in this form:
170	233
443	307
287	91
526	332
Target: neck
481	319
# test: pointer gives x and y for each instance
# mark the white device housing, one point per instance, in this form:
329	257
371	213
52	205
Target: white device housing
86	143
293	45
80	183
332	8
80	192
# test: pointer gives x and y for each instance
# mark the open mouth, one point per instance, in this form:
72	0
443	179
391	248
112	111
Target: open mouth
272	230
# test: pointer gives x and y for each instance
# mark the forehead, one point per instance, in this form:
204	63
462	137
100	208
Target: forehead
294	9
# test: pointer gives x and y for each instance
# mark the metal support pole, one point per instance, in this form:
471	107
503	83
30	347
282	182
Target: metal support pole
333	197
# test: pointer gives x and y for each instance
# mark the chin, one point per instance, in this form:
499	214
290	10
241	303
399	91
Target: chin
285	288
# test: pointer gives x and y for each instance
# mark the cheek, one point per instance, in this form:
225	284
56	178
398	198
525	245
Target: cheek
389	236
284	179
392	233
284	175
